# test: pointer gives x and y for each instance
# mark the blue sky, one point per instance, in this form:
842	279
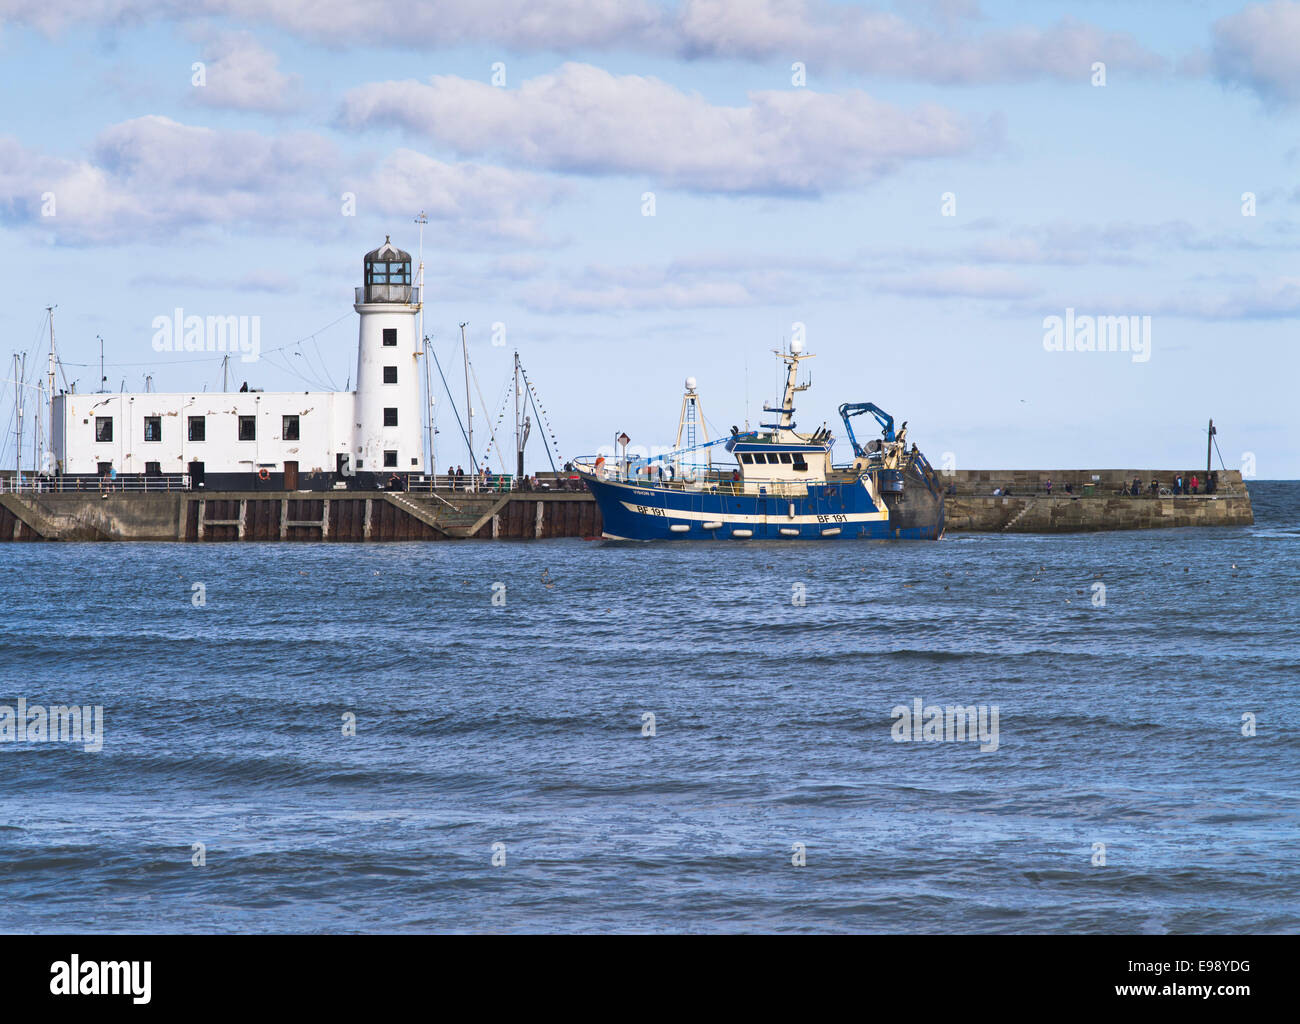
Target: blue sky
775	203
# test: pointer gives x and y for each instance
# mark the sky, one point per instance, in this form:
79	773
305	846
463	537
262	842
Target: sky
630	192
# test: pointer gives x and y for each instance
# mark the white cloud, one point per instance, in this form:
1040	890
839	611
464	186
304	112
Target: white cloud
152	178
826	35
1259	47
960	282
491	201
848	37
1276	298
584	120
240	74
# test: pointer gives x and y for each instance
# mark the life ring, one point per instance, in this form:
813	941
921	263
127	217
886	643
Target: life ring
262	474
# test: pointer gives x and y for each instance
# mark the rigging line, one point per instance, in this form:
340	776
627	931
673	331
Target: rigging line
307	360
533	400
288	368
1220	454
542	418
321	360
491	433
438	364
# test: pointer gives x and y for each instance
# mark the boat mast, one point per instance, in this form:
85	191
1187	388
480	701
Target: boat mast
18	408
519	445
792	360
50	310
469	403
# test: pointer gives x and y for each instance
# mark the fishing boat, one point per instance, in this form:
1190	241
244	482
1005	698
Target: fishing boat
782	485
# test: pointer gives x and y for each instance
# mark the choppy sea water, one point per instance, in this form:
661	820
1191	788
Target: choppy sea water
523	725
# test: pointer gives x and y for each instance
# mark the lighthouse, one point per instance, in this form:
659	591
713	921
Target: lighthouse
387	434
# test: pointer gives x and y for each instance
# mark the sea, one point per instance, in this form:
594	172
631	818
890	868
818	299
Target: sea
583	736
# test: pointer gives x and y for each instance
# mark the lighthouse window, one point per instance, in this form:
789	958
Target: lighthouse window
390	335
390	417
153	428
289	428
198	428
390	459
390	374
103	428
248	428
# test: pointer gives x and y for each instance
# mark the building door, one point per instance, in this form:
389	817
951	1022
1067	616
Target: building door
196	474
291	476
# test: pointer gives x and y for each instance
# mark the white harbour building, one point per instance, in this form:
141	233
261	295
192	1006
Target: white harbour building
313	440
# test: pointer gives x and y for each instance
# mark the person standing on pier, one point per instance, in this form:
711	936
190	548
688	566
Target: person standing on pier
1196	484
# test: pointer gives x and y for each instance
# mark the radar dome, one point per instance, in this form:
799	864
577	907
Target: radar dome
796	346
690	383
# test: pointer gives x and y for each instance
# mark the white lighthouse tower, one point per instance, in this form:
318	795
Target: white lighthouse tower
388	436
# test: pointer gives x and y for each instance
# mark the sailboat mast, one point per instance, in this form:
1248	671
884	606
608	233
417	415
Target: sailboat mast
18	408
519	444
50	310
469	402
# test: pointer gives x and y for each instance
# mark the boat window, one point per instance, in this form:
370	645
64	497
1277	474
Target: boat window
799	463
744	457
772	458
785	458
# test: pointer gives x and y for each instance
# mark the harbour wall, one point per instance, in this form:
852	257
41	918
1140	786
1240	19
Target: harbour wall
212	516
1094	503
290	516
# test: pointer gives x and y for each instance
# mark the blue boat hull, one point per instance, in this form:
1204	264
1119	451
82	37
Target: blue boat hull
831	511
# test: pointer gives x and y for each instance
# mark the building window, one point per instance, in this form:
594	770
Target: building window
390	460
289	428
390	335
153	469
198	428
390	374
390	273
248	428
103	428
153	428
390	417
